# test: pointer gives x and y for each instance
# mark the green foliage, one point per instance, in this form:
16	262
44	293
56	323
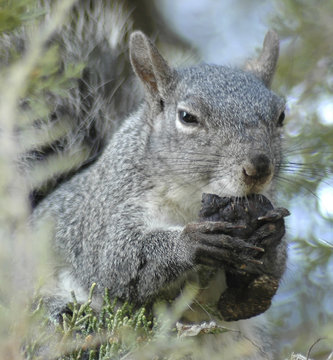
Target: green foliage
308	26
112	332
305	73
120	331
24	256
14	13
45	74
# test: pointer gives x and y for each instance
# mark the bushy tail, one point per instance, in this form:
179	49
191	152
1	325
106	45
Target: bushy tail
79	93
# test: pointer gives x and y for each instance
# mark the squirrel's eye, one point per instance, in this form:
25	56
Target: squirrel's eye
186	118
281	119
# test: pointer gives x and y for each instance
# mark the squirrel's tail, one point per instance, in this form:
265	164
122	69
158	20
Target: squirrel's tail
91	91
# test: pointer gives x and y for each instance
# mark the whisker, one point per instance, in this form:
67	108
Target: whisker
293	182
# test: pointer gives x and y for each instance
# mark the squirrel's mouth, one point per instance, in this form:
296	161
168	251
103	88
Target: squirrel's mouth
257	186
251	175
240	186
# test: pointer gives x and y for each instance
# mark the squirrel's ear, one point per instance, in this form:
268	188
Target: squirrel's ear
264	66
149	65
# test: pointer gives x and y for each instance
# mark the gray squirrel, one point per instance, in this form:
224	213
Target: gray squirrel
125	221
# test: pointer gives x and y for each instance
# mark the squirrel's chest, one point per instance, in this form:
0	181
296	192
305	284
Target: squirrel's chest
169	211
170	206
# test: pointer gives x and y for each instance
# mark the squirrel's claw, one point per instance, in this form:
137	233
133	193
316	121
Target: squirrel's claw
274	214
213	227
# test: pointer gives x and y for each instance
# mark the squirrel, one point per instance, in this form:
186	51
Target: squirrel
126	220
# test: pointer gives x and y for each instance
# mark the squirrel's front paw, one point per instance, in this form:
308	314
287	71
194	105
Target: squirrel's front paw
249	221
268	235
211	245
253	223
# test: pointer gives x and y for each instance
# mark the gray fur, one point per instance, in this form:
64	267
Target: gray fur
120	223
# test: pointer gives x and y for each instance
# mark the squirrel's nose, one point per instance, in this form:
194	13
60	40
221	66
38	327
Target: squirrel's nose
257	169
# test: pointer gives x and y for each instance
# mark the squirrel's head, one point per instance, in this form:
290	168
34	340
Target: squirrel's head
213	128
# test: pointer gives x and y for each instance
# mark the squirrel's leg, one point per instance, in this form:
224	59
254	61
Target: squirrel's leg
150	261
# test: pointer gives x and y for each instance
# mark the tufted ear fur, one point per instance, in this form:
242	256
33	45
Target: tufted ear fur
150	66
264	66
